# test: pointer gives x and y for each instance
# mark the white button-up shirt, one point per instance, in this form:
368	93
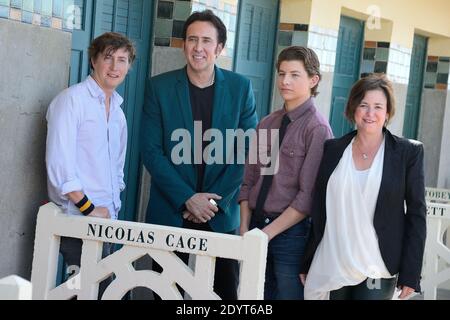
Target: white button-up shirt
85	150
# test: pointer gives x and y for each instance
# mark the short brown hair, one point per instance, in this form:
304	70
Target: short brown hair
374	81
309	59
111	42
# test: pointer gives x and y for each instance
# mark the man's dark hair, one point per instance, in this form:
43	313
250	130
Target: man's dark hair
208	16
110	42
309	59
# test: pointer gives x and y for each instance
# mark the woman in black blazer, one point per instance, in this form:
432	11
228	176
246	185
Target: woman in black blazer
369	213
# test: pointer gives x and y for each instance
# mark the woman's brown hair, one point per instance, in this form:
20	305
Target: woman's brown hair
375	81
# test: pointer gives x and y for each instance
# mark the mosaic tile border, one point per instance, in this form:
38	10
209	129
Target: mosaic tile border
437	73
290	34
170	18
172	14
45	13
375	57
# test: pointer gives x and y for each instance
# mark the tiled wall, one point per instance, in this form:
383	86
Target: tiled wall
171	15
292	34
322	41
170	18
437	71
47	13
226	10
399	63
381	57
375	57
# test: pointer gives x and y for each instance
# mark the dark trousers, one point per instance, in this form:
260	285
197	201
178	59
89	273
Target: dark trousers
284	255
226	275
369	289
70	249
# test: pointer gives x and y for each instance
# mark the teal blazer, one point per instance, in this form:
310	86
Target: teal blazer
167	108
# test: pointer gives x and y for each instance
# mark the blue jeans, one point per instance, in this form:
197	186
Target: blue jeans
284	256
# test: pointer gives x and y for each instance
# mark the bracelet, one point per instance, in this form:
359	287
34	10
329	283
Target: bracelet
85	205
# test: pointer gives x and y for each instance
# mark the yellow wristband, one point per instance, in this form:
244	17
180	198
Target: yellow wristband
86	206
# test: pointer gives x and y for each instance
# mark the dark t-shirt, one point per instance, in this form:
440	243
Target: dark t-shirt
202	100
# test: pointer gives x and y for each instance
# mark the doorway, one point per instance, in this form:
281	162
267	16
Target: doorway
348	61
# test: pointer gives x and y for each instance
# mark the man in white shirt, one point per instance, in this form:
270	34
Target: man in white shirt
87	139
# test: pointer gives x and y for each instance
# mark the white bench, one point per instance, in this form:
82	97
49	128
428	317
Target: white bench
15	288
437	195
436	269
138	240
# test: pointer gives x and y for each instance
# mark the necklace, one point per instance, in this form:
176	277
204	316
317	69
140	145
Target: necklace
363	154
200	85
211	81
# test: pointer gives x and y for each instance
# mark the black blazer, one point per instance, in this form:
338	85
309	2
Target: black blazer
401	234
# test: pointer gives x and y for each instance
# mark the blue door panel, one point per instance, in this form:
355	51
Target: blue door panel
76	66
414	95
81	38
254	57
346	73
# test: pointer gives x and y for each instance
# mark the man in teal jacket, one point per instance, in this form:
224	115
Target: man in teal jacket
195	184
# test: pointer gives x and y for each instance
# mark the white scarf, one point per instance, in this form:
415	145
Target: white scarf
349	251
